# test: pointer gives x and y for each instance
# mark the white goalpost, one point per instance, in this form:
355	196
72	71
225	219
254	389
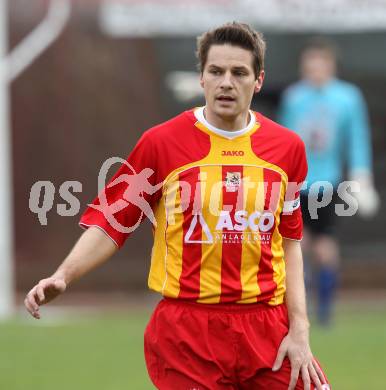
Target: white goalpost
11	65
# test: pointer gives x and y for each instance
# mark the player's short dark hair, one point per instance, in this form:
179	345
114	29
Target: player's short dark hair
235	34
320	43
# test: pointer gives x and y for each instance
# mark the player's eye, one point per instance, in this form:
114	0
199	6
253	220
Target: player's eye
215	72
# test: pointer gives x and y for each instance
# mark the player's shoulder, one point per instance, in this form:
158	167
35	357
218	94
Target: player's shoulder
344	86
274	131
278	145
346	90
171	128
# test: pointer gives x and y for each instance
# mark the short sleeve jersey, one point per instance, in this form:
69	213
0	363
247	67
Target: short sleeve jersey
220	208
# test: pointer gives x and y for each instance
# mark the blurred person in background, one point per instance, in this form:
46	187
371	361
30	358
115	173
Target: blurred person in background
233	313
330	115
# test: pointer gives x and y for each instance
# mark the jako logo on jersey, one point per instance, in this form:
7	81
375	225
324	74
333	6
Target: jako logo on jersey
256	221
232	153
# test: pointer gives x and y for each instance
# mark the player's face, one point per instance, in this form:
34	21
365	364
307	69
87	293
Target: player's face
317	66
229	81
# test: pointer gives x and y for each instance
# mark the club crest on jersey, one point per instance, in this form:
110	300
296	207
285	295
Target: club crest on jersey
232	181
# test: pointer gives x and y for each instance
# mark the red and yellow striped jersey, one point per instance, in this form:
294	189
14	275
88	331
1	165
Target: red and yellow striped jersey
221	207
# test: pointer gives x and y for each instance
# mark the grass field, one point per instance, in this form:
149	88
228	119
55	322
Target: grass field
104	352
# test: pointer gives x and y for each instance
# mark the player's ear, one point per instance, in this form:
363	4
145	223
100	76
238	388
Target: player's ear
201	80
259	82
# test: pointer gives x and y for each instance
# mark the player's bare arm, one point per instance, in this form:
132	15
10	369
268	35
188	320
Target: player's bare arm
92	249
296	344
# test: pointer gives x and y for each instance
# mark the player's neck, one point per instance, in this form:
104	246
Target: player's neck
227	123
320	83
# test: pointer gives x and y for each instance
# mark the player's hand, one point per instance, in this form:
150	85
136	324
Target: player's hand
367	197
45	291
368	202
296	346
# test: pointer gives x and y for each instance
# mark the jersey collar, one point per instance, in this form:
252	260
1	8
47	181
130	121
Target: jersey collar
204	125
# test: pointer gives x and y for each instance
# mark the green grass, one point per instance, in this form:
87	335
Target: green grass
353	351
105	352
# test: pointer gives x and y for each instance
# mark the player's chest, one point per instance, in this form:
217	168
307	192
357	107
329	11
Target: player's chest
220	187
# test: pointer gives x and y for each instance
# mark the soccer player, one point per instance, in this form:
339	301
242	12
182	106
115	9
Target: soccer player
330	116
227	230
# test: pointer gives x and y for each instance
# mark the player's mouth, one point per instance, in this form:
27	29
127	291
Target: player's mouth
225	98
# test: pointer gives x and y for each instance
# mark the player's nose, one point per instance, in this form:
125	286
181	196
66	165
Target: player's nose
226	81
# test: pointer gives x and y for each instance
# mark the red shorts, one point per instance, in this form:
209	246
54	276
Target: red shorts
192	346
